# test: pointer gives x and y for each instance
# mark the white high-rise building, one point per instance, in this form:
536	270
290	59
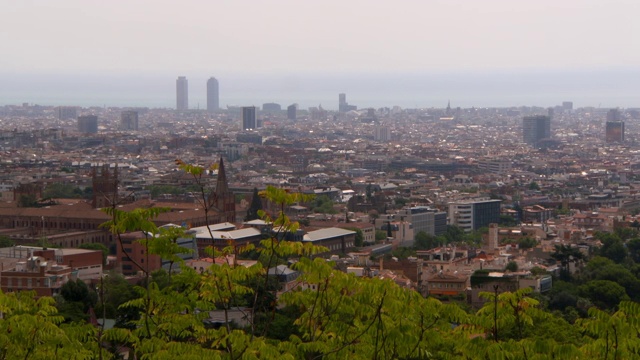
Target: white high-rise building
472	215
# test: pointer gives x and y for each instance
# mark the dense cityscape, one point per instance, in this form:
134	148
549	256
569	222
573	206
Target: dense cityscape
447	202
320	181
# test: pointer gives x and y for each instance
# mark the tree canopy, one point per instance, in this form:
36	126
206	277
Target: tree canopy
6	241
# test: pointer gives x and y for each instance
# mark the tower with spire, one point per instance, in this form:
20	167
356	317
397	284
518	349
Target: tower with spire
222	199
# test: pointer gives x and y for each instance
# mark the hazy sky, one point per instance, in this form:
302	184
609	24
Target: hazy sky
298	42
316	36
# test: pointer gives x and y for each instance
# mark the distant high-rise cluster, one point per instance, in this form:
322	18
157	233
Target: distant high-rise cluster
67	112
536	128
614	132
343	105
129	120
88	124
271	107
249	121
213	95
381	133
614	115
182	93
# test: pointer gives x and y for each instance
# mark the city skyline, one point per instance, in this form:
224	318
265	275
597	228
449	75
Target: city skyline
402	53
367	169
610	89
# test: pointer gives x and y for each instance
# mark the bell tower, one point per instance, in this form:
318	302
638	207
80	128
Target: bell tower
222	199
105	186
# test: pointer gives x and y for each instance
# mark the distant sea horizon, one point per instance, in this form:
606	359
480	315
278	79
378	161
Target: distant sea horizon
601	88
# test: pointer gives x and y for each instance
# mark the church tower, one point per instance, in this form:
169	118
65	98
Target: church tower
222	199
105	187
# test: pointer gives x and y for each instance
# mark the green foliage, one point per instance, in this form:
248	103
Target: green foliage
282	326
335	316
612	247
75	300
401	252
523	243
350	317
27	200
6	241
165	243
113	291
633	245
31	329
380	235
600	268
454	234
43	242
135	220
78	292
323	204
527	243
64	191
424	241
157	190
604	293
612	336
538	271
508	310
512	266
507	220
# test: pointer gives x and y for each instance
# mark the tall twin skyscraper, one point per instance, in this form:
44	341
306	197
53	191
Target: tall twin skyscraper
213	95
182	94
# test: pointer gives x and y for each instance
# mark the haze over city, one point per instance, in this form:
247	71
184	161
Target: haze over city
406	53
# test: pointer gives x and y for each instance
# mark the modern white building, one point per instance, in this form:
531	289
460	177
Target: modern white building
424	218
474	214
